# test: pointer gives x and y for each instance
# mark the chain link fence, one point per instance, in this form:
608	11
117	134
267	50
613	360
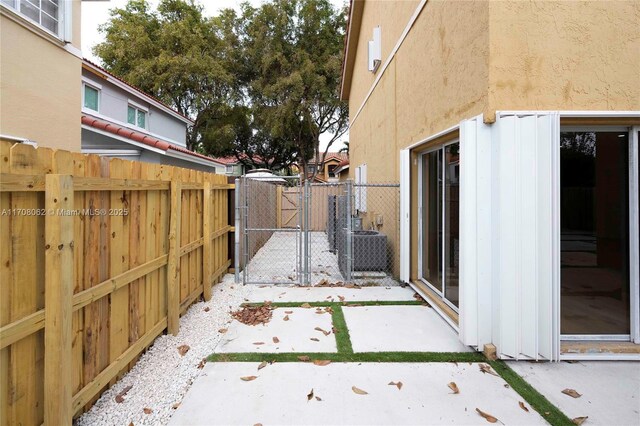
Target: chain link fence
318	233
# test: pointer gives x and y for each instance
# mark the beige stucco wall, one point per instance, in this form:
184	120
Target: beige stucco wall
565	55
438	77
40	85
465	58
392	17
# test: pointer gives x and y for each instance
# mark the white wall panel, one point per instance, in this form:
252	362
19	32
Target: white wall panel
405	210
525	182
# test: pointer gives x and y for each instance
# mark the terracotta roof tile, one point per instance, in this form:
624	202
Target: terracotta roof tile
139	137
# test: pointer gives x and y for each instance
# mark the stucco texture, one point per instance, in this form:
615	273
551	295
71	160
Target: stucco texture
392	17
565	55
40	87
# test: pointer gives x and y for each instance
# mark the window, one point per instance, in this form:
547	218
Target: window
229	169
91	97
46	13
137	116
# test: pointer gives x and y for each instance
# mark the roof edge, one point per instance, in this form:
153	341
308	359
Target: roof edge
356	8
112	78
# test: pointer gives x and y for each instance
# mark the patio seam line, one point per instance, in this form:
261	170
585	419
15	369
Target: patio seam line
344	353
535	399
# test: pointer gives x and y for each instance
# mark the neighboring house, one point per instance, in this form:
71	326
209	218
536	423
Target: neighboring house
327	169
233	167
41	63
515	126
119	120
342	171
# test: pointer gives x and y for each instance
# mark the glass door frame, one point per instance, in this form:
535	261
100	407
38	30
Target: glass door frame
633	228
440	292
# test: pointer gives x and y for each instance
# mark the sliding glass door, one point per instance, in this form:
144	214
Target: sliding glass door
594	196
439	221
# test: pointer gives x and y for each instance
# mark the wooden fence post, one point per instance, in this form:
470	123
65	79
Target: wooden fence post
173	272
206	232
59	282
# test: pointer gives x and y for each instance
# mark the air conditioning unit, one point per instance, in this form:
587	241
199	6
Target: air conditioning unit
375	50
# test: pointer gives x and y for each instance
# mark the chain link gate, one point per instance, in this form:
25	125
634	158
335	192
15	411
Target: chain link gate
303	233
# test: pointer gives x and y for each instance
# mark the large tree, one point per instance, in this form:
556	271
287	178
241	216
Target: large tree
293	51
178	55
261	85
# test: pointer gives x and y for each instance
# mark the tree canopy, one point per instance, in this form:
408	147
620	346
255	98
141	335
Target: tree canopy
261	84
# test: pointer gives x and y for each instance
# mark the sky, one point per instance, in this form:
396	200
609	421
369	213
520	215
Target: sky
96	13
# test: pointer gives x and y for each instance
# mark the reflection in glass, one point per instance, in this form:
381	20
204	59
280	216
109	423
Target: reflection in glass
594	233
431	218
451	222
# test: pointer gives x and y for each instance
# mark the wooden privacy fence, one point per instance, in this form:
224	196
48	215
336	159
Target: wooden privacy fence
98	257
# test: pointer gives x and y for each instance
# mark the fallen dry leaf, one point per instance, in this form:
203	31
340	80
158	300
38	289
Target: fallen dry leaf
203	361
485	368
183	349
314	339
341	298
175	406
524	407
318	398
305	305
488	417
304	358
258	343
396	384
454	387
288	312
310	395
326	333
286	318
335	330
222	330
248	378
123	392
579	420
207	309
258	424
276	340
321	362
254	315
359	391
572	393
147	410
262	365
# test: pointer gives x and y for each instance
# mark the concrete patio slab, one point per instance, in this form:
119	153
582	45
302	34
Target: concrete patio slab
326	294
279	395
294	335
610	390
276	262
400	329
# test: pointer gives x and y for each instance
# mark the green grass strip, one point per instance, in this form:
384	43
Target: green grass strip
343	339
343	304
352	357
535	399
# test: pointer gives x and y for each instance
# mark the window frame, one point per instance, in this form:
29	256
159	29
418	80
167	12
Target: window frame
441	293
96	87
138	108
63	19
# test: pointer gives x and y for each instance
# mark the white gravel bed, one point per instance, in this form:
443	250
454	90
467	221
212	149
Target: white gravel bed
161	377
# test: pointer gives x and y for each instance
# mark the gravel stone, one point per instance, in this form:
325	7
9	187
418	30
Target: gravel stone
161	377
